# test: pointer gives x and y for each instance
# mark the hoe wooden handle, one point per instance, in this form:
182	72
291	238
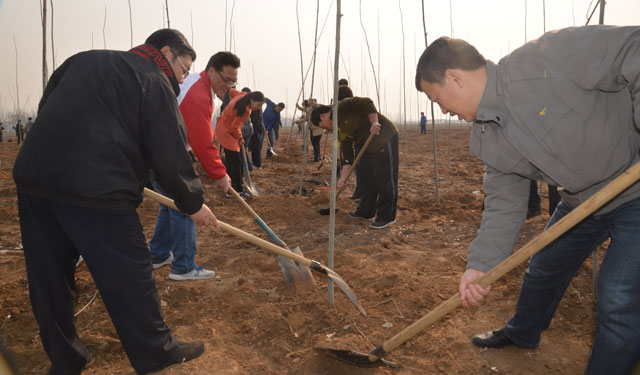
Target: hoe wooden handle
588	207
355	162
236	232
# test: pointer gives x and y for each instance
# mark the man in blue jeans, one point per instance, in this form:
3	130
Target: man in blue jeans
271	119
174	239
549	111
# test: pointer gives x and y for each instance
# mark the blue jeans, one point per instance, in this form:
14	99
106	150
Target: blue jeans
616	346
175	232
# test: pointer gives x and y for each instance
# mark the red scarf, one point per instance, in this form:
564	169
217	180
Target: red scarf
152	54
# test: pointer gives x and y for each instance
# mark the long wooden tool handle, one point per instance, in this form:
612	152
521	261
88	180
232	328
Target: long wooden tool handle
258	219
236	232
588	207
355	162
245	165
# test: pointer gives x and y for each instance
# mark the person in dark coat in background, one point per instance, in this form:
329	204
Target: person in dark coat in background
18	130
257	138
79	197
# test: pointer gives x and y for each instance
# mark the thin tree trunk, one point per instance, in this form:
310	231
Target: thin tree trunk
193	64
233	8
104	25
433	122
366	39
449	115
53	49
308	68
602	4
43	16
544	17
166	5
404	91
15	45
130	24
226	4
525	21
334	159
306	125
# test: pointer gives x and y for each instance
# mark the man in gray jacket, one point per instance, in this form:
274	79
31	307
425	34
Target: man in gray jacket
556	111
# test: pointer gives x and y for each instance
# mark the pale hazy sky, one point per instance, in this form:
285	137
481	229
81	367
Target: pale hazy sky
265	37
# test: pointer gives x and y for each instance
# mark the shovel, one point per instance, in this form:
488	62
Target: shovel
312	264
588	207
251	188
327	211
294	274
269	145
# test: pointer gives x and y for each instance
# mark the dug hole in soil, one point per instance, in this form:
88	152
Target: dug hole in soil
253	324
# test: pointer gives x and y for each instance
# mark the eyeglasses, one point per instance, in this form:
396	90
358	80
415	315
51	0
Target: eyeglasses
229	81
185	71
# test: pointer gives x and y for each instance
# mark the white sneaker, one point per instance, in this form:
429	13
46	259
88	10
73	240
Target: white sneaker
164	262
198	273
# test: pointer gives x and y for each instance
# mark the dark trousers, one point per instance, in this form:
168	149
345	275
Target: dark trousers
233	162
255	145
423	129
554	198
18	137
315	142
534	197
113	246
379	184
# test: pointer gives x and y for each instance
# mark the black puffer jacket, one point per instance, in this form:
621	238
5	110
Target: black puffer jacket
106	118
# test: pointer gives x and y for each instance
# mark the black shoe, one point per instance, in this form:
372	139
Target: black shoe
185	351
491	339
357	215
379	224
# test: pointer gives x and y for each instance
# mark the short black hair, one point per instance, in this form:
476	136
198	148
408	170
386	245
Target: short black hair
246	89
174	40
320	110
221	59
447	53
281	105
343	82
344	92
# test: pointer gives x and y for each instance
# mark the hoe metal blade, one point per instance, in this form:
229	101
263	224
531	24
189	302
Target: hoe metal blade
339	282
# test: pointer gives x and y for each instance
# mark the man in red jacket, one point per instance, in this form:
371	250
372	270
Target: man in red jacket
174	239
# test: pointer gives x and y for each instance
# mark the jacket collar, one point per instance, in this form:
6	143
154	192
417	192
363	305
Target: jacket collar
490	107
152	54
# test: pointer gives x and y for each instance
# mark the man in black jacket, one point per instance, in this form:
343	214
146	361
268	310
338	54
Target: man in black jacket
118	114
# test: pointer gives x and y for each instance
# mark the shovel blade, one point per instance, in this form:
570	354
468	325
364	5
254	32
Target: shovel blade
296	275
345	289
252	190
354	358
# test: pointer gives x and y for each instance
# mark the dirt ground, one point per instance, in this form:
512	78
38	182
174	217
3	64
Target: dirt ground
253	324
